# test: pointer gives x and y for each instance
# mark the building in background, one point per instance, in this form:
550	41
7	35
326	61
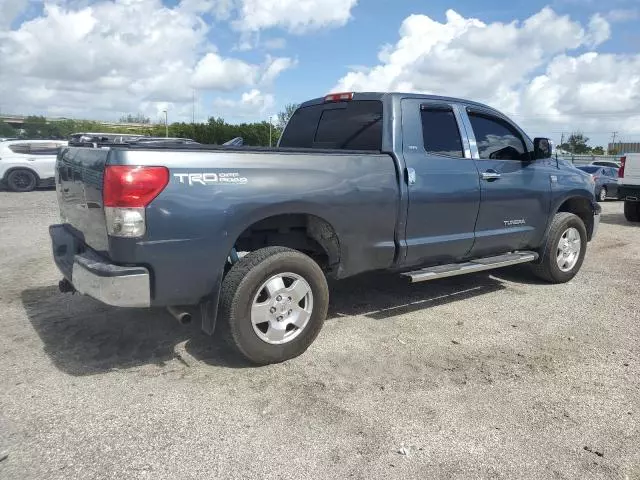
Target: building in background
621	147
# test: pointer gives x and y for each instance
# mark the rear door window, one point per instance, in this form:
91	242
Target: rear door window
44	148
19	148
440	132
355	125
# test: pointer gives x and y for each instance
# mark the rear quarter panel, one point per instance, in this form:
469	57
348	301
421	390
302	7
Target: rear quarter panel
191	228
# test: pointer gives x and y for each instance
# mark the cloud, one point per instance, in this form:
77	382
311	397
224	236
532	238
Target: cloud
623	15
296	16
523	68
251	104
111	57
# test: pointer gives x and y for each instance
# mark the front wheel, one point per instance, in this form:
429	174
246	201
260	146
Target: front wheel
563	251
275	301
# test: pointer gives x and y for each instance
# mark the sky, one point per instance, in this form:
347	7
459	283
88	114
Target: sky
554	67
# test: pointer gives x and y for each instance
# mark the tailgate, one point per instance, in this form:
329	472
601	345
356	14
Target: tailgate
79	173
632	169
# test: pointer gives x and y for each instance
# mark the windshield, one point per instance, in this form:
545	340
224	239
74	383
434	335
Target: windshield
355	125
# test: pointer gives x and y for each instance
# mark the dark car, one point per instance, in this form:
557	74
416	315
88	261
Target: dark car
606	180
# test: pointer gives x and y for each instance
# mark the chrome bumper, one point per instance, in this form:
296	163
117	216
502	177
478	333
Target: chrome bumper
92	275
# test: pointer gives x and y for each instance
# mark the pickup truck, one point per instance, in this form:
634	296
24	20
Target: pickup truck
424	186
629	185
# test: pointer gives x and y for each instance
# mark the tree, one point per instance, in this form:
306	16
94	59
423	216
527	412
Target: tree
285	115
7	130
597	150
138	118
577	143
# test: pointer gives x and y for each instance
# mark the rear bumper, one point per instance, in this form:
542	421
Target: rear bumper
629	192
92	275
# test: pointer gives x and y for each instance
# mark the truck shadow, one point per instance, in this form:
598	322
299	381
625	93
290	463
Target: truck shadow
84	337
616	219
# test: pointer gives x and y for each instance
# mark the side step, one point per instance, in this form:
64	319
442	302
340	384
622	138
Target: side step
477	265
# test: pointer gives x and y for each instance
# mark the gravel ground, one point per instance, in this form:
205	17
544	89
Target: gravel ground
485	376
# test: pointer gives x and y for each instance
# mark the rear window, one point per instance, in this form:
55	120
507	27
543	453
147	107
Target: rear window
440	131
353	125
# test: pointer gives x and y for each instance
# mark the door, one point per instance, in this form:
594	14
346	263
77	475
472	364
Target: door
515	191
611	182
43	158
443	183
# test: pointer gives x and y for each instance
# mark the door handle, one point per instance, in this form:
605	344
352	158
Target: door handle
411	176
490	175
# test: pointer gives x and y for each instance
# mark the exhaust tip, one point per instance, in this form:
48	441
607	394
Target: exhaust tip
183	318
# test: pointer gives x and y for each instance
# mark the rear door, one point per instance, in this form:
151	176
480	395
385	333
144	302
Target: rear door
443	183
515	191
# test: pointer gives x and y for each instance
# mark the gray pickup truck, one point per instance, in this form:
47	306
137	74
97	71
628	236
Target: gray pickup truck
426	186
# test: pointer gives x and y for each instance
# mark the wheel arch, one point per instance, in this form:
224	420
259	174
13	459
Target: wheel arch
580	206
20	167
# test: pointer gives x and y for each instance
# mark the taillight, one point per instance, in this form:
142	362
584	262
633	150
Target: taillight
127	190
623	160
339	97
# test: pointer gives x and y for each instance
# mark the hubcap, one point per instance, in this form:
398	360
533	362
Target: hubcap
568	250
22	180
282	308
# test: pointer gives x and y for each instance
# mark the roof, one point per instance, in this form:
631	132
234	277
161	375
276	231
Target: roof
381	95
26	140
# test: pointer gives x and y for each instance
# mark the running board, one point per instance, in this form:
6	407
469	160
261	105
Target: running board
477	265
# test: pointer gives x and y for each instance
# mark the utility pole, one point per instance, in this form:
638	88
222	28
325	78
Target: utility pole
166	124
269	130
613	141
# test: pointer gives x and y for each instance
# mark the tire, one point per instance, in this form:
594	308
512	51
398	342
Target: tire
22	180
602	195
632	211
243	301
547	267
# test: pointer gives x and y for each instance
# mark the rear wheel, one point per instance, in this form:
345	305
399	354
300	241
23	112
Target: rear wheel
632	211
602	196
563	252
275	301
22	180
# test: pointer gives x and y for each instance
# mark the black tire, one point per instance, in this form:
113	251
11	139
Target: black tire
547	267
22	180
241	286
602	194
632	211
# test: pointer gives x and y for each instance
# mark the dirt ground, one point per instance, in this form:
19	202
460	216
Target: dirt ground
493	375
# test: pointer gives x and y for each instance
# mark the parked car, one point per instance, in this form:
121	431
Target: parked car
606	180
27	164
629	186
425	186
606	163
94	139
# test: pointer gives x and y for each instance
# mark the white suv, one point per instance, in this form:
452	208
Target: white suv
629	186
26	164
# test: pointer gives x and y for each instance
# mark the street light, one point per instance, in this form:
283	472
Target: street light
166	124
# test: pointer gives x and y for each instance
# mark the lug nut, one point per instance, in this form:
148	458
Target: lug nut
280	318
290	312
272	309
278	298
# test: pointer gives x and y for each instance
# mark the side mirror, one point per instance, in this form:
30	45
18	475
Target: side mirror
541	148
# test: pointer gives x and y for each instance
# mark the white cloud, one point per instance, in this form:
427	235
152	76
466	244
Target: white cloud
251	104
217	73
523	68
296	16
623	15
274	67
109	57
10	10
